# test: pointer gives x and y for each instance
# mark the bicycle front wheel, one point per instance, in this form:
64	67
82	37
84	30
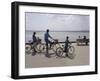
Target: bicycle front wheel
71	49
71	53
59	52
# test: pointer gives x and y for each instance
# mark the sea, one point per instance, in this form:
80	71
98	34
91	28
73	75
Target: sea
60	35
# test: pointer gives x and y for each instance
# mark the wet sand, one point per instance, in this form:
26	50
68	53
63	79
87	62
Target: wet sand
39	60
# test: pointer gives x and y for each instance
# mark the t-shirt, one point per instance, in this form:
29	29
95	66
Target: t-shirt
34	39
46	36
66	42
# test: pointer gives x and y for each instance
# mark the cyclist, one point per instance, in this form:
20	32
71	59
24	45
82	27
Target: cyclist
46	38
66	45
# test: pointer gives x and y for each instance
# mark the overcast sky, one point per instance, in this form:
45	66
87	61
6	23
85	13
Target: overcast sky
56	22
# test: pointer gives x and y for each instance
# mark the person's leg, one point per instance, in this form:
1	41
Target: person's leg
65	49
50	43
34	46
34	50
47	47
47	51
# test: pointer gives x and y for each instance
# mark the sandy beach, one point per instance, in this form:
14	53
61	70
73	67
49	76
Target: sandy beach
39	60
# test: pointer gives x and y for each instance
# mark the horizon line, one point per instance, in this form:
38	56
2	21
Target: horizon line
58	31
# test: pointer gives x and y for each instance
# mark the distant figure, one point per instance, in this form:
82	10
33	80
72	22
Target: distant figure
34	41
46	38
34	37
85	40
66	44
78	40
79	37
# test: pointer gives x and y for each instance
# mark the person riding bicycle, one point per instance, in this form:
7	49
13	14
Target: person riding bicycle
66	45
34	41
46	38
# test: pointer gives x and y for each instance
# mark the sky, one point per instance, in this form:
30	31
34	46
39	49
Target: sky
56	22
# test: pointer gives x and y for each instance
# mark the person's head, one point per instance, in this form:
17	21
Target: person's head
34	33
67	37
47	30
84	36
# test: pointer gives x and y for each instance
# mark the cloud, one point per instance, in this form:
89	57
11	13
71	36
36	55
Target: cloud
56	22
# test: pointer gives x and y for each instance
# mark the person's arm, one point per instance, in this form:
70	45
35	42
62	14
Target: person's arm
49	36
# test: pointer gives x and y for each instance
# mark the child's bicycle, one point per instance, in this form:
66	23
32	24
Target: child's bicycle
60	52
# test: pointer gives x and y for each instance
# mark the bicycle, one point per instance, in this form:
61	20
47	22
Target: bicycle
30	49
52	48
60	52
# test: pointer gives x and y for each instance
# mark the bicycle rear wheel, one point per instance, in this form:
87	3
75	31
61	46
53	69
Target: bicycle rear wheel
27	49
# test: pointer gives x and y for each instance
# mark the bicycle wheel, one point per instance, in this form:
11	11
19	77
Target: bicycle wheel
71	53
42	48
60	53
38	48
27	49
71	49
